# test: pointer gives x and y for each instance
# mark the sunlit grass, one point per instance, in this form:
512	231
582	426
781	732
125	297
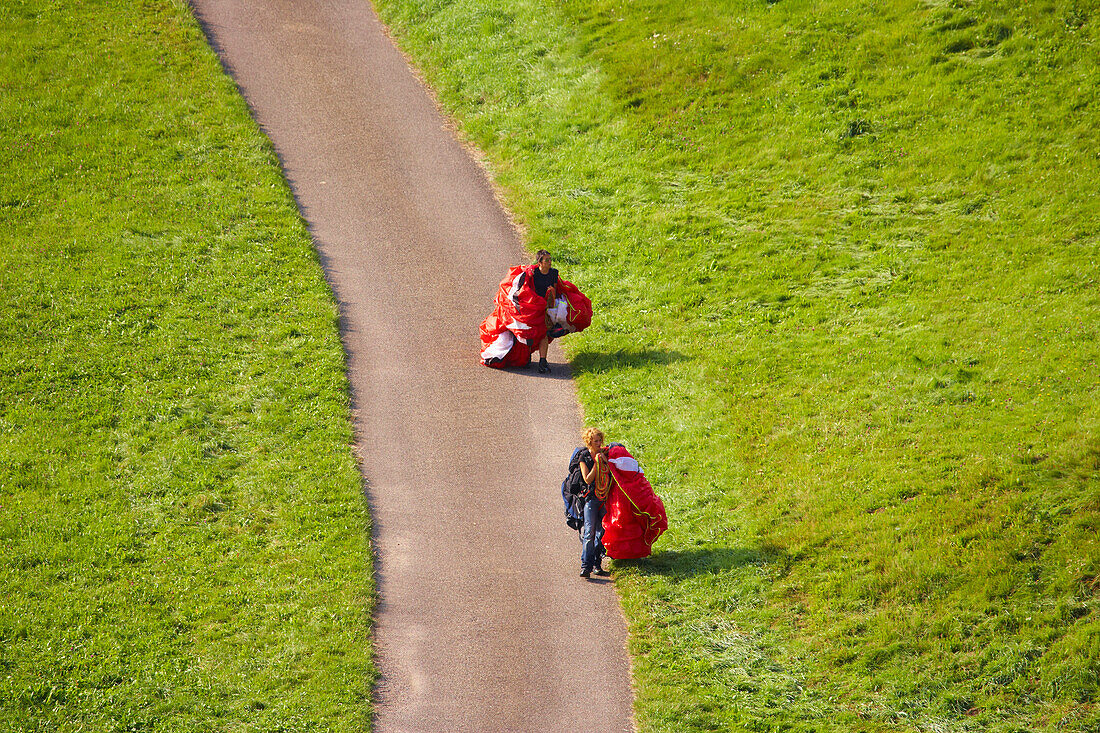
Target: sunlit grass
184	533
844	264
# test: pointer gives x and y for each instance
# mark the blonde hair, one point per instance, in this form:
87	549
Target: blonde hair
591	435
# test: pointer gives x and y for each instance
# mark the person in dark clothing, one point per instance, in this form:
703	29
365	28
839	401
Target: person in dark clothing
597	483
533	306
544	282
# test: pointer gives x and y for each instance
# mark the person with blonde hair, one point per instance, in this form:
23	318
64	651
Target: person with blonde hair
596	480
611	503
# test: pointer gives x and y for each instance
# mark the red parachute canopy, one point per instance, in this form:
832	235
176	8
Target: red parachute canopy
518	321
635	515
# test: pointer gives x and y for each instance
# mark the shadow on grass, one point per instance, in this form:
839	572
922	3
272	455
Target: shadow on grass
682	564
595	362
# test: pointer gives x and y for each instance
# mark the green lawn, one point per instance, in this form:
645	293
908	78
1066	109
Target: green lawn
844	260
185	539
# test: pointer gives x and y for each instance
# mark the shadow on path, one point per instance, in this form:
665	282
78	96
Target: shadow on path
559	371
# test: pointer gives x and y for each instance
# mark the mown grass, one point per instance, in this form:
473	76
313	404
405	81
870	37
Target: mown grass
185	541
844	263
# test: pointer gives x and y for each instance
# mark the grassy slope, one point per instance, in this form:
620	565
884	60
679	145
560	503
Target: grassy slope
844	259
184	534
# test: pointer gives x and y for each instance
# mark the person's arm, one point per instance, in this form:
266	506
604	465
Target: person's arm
588	470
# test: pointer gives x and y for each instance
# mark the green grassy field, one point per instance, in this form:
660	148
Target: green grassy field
185	541
844	259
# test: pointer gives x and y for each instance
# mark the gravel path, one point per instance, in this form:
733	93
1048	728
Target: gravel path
483	624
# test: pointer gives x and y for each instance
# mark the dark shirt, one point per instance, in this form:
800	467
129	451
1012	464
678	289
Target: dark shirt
541	282
589	463
578	485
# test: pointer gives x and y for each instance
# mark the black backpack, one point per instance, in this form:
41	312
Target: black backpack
574	491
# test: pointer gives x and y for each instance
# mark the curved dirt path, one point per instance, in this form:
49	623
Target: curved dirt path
483	624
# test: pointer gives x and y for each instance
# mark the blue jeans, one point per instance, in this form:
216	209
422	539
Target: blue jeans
592	533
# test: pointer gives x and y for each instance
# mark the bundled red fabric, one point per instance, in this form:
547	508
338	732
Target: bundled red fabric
518	321
635	515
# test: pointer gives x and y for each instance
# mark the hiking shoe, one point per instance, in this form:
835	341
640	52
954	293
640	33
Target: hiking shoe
544	368
586	572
